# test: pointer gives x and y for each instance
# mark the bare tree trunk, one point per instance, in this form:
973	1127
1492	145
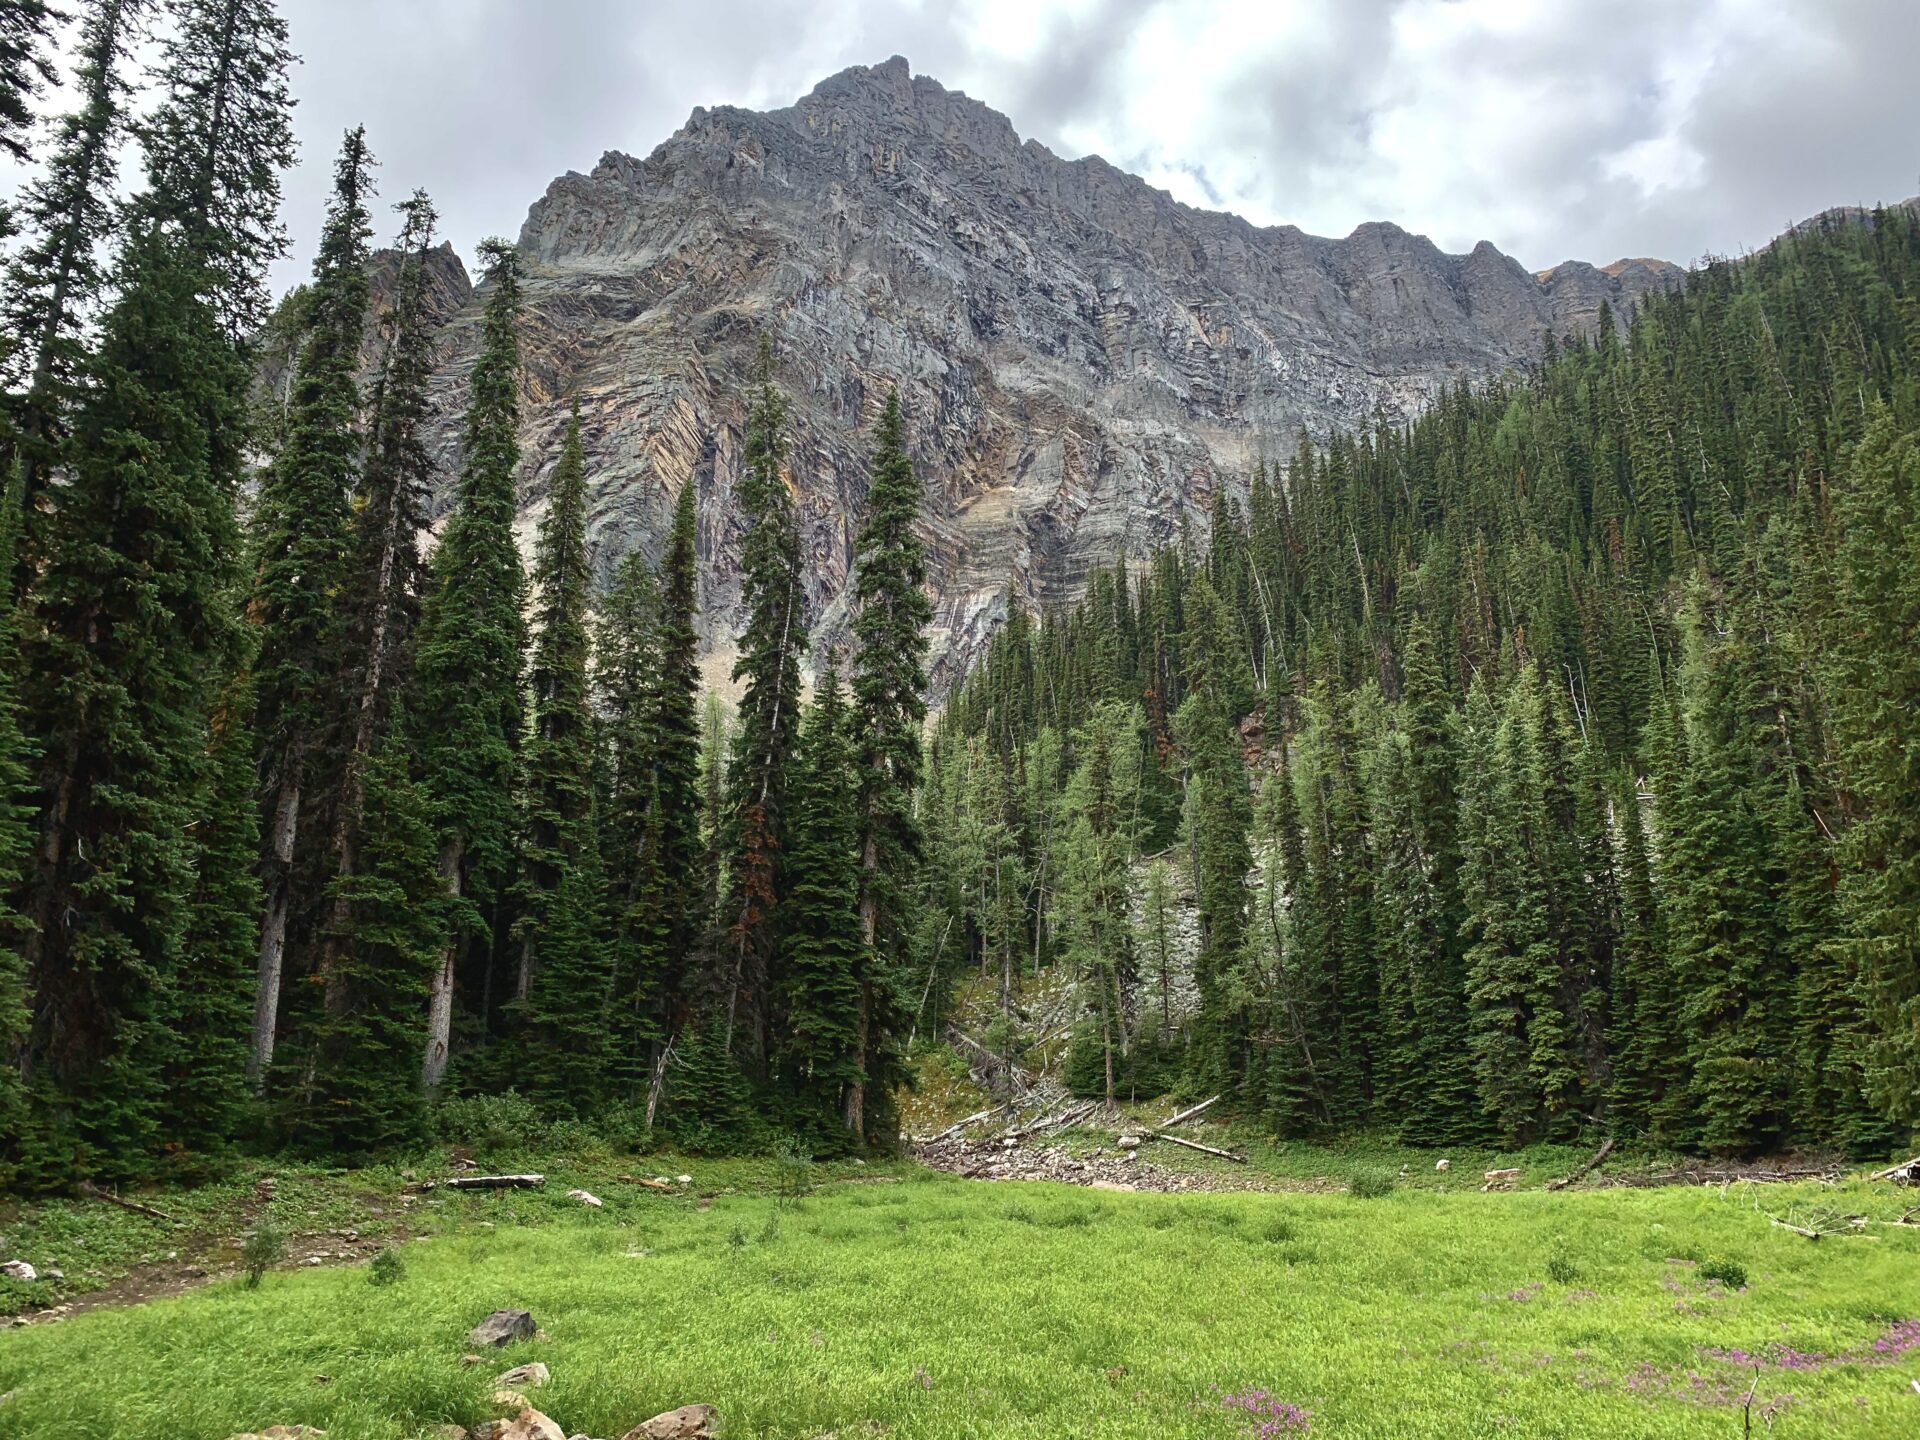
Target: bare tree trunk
433	1069
271	969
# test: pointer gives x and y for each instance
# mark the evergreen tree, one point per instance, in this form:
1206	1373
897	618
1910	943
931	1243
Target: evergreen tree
1879	514
889	688
365	1095
132	629
380	602
55	280
564	978
675	902
771	644
470	657
820	1006
303	522
25	38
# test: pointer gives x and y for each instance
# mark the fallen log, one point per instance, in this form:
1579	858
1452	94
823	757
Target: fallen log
960	1125
495	1182
666	1185
1195	1145
1065	1117
1499	1179
90	1191
1907	1172
1796	1229
1585	1170
1186	1115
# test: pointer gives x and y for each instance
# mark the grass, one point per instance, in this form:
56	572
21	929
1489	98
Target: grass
933	1307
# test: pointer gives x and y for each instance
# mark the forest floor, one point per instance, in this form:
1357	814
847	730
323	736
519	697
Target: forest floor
894	1300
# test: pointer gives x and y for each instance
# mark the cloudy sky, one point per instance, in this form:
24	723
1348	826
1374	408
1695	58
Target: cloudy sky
1554	128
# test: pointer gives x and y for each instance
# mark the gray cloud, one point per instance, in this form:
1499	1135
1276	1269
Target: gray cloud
1657	127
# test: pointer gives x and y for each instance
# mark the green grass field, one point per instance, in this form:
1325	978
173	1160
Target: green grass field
929	1307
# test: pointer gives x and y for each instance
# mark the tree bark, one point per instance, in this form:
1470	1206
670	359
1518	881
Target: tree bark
272	965
433	1069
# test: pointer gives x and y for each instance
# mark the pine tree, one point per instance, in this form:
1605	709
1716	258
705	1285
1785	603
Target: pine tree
217	145
564	977
677	905
626	651
25	38
56	278
22	1150
820	1005
131	617
365	1095
303	522
1219	815
207	1098
380	601
1879	563
889	685
470	656
771	644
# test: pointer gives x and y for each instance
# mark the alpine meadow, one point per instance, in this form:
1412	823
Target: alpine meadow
887	785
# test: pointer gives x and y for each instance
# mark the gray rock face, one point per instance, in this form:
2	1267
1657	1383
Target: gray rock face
1083	361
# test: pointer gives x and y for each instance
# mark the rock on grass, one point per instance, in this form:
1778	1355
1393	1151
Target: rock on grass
502	1327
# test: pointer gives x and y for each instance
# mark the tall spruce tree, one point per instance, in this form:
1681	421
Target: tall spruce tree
772	643
563	979
470	657
133	628
55	280
303	520
26	33
889	691
380	599
818	1055
1879	555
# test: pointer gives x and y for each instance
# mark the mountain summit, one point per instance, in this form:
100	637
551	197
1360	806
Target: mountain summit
1083	360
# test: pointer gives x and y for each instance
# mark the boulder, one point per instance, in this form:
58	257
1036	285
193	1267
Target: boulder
1128	1142
19	1270
502	1327
529	1424
689	1422
584	1198
1443	1164
523	1377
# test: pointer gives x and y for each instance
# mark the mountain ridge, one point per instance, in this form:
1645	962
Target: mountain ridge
1084	360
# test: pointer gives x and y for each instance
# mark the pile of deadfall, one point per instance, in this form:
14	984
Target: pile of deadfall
1117	1169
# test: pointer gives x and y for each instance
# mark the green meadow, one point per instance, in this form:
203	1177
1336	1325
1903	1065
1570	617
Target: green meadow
911	1305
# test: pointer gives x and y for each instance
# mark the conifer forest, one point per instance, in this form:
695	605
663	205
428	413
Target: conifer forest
1542	769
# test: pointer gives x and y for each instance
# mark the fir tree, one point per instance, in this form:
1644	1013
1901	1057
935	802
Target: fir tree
365	1095
380	601
771	644
470	656
55	280
563	978
1879	565
889	685
303	522
820	1006
25	39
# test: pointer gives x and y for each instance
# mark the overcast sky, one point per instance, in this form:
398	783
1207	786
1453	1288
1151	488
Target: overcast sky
1554	128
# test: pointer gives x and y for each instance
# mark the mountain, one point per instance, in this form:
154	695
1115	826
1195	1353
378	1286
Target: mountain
1083	360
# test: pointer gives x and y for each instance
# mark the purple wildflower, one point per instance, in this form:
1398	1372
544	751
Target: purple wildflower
1268	1416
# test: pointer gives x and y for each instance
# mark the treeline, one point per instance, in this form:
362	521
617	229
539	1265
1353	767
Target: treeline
1552	762
301	828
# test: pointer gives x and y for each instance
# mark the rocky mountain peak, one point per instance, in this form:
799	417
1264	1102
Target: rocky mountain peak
1083	360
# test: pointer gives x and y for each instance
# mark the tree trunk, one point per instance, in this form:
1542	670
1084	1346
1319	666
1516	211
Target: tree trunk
440	997
272	965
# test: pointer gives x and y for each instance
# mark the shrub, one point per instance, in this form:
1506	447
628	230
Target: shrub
737	1237
1371	1184
265	1247
488	1123
387	1268
793	1172
1730	1273
1561	1270
770	1231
